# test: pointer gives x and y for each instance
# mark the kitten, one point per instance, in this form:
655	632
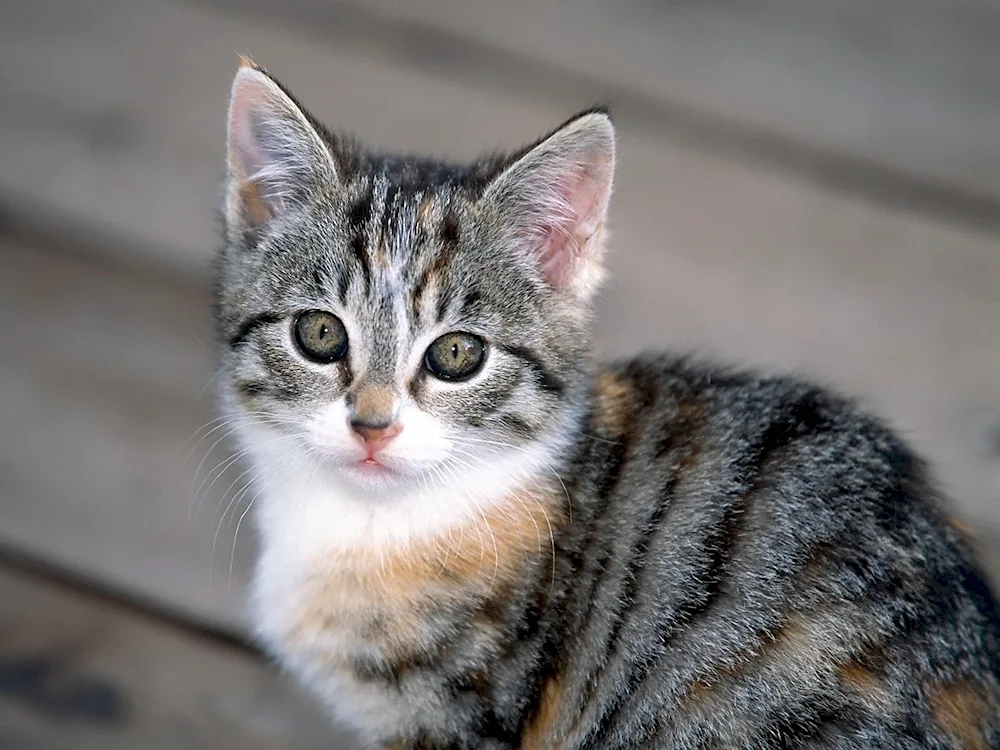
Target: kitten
474	537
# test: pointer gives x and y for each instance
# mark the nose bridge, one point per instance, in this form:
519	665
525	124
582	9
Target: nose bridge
382	346
375	397
375	405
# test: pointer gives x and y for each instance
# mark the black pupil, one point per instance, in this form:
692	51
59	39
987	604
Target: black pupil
321	336
455	356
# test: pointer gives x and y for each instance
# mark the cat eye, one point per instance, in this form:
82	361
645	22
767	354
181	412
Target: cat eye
455	356
320	336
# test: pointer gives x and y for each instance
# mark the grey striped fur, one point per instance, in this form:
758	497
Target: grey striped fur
735	561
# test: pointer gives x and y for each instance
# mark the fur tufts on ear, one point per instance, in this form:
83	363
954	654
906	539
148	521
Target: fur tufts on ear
555	196
276	157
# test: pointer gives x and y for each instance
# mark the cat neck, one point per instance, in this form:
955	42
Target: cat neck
307	517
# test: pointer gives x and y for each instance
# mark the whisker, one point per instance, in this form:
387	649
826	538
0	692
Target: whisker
441	469
211	380
236	534
493	539
199	498
219	423
222	519
521	487
545	465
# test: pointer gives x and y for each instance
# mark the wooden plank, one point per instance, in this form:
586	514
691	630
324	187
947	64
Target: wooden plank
985	539
105	378
80	672
114	114
912	86
115	124
110	120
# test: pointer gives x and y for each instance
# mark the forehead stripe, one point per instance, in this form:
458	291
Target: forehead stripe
249	325
451	231
359	250
547	381
359	216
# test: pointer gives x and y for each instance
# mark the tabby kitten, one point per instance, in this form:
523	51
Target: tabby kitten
474	537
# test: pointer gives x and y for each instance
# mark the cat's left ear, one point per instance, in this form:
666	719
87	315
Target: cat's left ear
277	159
554	198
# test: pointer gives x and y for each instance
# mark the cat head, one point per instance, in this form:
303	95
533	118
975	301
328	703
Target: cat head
402	327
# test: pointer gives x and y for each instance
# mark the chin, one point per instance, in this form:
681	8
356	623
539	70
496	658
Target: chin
383	478
374	477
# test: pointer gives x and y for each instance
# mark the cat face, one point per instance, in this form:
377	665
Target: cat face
401	327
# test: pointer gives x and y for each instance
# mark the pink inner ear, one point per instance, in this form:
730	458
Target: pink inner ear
247	158
565	238
250	162
246	153
557	254
269	147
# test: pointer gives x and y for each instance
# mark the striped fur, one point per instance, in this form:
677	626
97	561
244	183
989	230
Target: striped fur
656	553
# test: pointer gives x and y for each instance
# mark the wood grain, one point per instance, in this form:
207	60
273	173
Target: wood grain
78	672
910	86
105	379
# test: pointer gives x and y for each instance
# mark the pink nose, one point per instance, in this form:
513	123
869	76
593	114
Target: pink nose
376	438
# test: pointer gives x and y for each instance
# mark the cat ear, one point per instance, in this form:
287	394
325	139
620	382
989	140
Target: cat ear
276	156
554	197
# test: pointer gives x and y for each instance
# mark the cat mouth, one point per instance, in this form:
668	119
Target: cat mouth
371	468
372	472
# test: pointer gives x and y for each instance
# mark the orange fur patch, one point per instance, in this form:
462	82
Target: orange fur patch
861	680
612	405
394	587
962	528
490	550
381	254
256	207
425	212
962	713
537	733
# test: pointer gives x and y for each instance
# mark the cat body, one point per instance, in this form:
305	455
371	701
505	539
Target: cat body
473	536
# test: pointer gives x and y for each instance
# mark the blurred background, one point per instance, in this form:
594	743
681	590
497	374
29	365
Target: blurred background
807	185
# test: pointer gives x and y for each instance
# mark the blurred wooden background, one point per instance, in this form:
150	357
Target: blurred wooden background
804	185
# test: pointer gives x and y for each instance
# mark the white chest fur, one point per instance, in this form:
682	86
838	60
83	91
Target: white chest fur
331	564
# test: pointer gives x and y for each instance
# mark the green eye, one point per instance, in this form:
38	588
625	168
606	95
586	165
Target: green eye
455	356
320	336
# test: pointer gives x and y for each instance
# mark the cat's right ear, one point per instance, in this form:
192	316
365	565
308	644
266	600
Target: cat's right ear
554	198
276	157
